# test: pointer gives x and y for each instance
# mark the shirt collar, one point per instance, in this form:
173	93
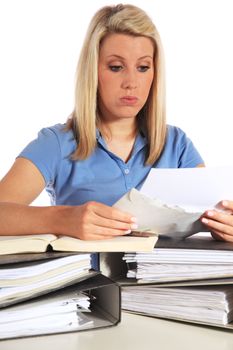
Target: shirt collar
140	142
100	139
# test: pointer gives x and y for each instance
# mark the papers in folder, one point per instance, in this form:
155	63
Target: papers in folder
210	305
23	282
192	285
177	264
62	313
55	295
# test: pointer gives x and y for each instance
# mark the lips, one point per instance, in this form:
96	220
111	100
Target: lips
129	100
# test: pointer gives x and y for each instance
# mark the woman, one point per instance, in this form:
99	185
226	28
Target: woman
116	134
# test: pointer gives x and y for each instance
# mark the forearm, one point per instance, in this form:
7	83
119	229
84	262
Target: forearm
88	221
19	219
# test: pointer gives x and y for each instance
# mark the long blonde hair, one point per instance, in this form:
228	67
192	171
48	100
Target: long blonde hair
131	20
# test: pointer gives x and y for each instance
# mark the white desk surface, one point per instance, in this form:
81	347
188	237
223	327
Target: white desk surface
134	332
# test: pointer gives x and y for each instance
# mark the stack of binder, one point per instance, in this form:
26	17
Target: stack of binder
54	293
189	280
47	284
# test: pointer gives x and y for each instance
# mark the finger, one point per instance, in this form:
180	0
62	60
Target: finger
217	235
221	236
217	226
112	224
221	217
227	205
112	213
106	231
94	237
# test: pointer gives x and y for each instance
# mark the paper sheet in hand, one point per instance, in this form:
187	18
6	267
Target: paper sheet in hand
155	216
195	189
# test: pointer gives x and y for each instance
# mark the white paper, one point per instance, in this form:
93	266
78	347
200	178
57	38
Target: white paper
25	291
174	264
195	189
42	268
210	304
51	305
45	325
57	313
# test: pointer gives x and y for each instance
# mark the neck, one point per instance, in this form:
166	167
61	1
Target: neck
119	130
120	137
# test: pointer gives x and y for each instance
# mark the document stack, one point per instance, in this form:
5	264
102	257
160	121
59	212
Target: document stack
182	283
47	284
55	295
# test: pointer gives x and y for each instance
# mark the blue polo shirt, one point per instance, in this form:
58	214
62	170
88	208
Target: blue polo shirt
103	177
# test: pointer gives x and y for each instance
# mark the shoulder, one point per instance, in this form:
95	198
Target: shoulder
179	151
58	136
57	131
177	138
175	133
49	149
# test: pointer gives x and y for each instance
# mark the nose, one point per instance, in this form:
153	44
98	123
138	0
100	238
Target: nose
129	80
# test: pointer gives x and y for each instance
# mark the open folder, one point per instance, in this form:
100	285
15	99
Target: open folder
87	301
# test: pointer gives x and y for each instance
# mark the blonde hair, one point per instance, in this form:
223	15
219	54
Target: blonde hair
131	20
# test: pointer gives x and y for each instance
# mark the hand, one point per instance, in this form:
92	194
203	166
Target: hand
93	221
220	223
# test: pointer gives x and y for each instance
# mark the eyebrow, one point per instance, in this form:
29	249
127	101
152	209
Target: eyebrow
122	58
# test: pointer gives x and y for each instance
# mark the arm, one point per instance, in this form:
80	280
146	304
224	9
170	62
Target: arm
24	182
21	185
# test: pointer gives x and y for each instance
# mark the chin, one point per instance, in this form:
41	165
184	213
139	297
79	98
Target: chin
127	116
128	113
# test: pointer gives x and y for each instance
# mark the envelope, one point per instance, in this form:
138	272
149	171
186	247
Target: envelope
155	216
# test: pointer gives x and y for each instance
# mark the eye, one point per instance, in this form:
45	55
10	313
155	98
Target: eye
143	68
115	68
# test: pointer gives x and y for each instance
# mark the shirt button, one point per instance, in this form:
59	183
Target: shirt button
126	171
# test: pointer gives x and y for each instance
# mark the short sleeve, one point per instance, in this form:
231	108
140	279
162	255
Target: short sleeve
189	157
45	153
179	151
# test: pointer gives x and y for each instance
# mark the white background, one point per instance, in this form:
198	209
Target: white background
40	42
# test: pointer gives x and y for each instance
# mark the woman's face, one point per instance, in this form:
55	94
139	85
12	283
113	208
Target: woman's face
125	75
